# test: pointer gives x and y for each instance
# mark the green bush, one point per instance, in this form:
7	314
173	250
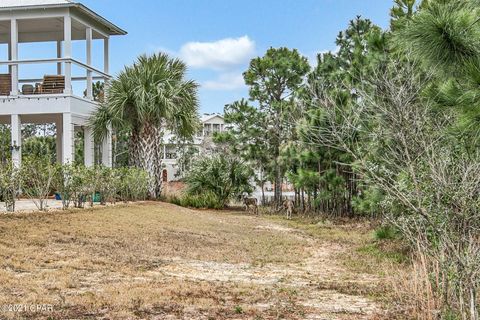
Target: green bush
36	176
132	184
386	232
9	185
39	178
63	184
214	180
208	200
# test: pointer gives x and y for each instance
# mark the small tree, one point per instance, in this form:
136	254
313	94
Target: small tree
9	186
37	174
63	184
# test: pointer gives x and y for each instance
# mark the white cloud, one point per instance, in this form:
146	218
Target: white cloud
225	82
218	55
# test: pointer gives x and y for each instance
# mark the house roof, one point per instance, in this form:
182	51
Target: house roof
26	3
45	4
206	117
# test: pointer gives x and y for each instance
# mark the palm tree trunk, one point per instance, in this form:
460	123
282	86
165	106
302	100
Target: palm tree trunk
150	156
134	150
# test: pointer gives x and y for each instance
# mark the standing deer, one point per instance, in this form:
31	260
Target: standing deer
288	206
247	202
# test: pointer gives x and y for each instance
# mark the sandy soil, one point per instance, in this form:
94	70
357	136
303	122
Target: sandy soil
159	261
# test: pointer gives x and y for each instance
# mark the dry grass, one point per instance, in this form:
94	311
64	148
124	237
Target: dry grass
160	261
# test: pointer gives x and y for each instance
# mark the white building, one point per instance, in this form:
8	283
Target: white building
52	97
202	141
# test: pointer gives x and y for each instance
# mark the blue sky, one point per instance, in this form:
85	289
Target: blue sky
218	37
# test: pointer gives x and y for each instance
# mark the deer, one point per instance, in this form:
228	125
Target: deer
247	202
288	206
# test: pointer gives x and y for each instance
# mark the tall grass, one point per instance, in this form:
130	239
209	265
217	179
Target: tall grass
417	292
206	200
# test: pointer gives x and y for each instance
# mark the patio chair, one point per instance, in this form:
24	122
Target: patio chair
27	89
5	84
52	85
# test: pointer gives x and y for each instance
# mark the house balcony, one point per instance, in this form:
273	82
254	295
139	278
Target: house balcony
57	92
60	90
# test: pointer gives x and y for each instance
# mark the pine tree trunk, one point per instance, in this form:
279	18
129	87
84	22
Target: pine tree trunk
278	188
150	156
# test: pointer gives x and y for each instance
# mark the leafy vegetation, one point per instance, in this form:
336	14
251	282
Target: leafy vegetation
145	100
385	127
214	180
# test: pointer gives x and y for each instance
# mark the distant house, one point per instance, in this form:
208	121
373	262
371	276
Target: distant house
202	141
49	96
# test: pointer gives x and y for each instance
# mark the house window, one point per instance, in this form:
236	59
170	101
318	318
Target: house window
170	152
207	129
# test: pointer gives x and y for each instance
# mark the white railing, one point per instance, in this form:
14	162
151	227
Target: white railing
64	64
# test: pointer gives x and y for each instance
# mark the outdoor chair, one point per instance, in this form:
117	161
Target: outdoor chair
5	84
27	89
51	85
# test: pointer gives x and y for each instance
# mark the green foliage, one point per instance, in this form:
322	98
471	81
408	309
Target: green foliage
39	147
386	232
36	176
63	184
9	185
5	143
258	133
143	101
132	184
402	11
151	91
248	138
275	75
224	176
369	202
444	34
445	37
205	200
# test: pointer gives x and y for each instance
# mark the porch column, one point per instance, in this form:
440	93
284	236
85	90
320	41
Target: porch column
89	147
68	136
58	140
14	55
89	63
107	149
67	37
16	141
59	55
106	55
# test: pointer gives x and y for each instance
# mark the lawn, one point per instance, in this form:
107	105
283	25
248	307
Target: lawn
160	261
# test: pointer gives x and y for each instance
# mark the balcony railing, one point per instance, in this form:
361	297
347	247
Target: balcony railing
59	83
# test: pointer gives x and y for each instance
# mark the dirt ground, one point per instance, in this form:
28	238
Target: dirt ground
160	261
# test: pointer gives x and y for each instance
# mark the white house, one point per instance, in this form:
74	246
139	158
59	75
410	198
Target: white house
52	97
210	123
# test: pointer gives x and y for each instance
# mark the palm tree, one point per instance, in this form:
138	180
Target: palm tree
146	99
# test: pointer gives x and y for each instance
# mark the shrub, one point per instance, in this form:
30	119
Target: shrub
386	232
207	200
132	184
36	176
220	175
63	184
9	186
106	184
